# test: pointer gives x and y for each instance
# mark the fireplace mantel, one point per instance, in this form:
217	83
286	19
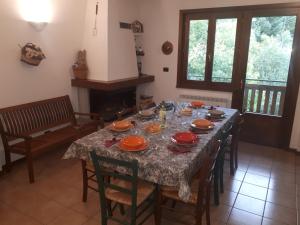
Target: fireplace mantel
112	85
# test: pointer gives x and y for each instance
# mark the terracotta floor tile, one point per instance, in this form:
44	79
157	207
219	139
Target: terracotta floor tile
280	214
70	217
281	186
232	185
254	191
284	177
282	198
239	175
259	170
44	203
228	198
267	221
239	217
89	208
257	180
10	216
249	204
220	213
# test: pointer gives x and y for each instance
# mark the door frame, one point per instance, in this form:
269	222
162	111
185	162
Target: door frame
293	80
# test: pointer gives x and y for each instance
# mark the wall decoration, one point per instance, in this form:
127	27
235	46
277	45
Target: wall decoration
32	54
137	27
167	48
80	68
95	29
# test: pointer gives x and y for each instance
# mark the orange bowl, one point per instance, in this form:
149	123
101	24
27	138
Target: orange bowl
185	137
202	123
197	104
121	125
133	142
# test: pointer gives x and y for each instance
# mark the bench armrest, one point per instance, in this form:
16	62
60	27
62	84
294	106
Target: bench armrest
25	137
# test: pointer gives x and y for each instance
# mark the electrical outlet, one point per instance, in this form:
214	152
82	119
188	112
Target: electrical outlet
166	69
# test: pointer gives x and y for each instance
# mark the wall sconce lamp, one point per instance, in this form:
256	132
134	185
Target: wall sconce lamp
38	26
38	13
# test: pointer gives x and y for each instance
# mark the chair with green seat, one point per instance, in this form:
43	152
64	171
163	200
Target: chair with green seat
124	189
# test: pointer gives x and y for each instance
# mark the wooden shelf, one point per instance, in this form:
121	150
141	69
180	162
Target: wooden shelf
112	85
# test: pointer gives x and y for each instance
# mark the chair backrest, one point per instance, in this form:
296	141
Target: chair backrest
205	173
102	173
37	116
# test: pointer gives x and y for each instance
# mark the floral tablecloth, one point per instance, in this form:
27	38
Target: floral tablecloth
157	164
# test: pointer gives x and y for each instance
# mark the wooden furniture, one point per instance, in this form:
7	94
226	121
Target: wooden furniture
112	85
122	189
33	128
161	166
201	186
218	170
89	180
233	148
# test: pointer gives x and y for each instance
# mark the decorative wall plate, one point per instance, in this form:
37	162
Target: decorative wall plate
167	48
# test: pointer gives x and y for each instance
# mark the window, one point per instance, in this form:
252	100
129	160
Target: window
207	51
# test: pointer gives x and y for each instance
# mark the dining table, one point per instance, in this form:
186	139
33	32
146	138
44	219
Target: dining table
158	164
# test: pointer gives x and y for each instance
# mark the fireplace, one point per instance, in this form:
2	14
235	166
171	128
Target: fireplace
113	104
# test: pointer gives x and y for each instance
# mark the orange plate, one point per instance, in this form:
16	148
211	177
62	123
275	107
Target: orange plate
202	123
141	148
133	141
197	104
185	137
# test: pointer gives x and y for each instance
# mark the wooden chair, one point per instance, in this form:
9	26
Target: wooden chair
219	168
89	180
234	142
201	188
122	189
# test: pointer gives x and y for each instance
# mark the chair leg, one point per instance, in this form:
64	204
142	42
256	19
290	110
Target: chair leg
30	167
84	181
216	182
158	203
122	210
199	210
7	166
236	157
221	175
174	202
207	206
232	160
109	209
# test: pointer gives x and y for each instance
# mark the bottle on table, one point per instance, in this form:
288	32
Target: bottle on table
163	115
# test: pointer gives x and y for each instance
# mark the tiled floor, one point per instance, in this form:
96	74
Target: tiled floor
264	191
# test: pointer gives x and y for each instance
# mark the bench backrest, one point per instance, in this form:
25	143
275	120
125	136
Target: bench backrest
38	116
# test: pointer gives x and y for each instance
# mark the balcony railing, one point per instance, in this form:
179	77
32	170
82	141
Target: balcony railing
264	99
260	96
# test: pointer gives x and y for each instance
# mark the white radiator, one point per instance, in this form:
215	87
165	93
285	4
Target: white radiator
223	102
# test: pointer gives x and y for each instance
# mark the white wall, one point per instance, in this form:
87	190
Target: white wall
161	23
60	41
121	55
96	46
111	53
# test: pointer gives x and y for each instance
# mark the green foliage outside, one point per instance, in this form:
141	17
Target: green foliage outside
269	52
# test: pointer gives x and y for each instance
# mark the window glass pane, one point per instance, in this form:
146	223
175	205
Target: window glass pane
271	45
224	50
197	50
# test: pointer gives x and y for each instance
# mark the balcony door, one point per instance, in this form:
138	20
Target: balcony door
269	58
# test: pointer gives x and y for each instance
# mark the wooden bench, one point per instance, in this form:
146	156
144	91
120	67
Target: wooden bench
33	128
